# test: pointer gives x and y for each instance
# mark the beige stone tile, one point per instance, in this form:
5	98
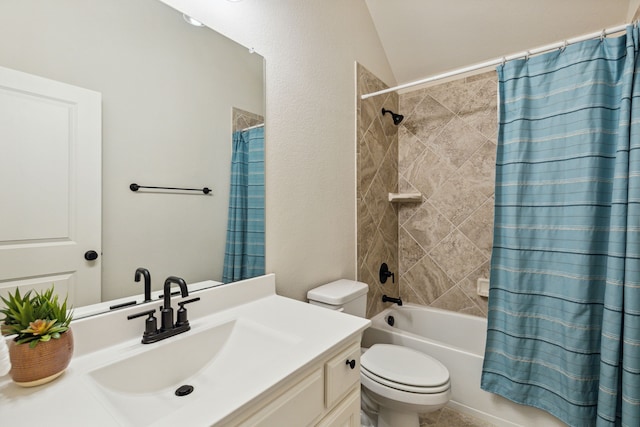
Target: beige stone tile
379	253
487	124
486	91
480	111
456	300
406	210
366	171
389	230
428	226
481	168
409	149
428	119
409	251
370	82
368	113
457	142
388	170
404	186
469	285
408	294
428	173
457	256
409	101
427	280
376	199
374	300
365	276
366	228
459	197
479	227
483	76
454	95
242	119
376	142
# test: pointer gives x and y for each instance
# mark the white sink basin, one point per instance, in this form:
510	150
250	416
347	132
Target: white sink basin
141	387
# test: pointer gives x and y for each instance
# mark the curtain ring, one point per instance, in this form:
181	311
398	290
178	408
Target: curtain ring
603	34
564	46
526	57
504	61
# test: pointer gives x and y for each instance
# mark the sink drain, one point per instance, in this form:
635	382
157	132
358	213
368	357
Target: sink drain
184	390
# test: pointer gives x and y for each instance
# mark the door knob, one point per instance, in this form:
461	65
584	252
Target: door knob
91	255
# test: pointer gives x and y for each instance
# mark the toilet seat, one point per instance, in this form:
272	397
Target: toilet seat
404	369
404	387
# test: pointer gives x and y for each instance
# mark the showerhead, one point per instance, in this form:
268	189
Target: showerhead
397	118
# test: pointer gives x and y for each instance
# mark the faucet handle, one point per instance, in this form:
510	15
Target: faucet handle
150	325
181	319
189	301
142	313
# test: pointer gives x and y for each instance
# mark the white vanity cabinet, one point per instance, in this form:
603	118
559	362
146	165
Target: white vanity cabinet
326	394
263	360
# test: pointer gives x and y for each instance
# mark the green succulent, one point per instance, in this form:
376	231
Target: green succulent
35	317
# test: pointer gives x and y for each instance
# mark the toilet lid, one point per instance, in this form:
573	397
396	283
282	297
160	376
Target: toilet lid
404	365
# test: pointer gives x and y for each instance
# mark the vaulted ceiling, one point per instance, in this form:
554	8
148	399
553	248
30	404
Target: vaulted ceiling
426	37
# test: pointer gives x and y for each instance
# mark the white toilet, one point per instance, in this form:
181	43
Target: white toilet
397	382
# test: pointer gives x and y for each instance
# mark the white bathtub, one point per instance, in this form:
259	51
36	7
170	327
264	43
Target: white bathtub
457	340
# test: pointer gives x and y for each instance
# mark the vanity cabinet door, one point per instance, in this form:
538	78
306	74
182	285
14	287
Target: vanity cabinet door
346	414
342	372
300	404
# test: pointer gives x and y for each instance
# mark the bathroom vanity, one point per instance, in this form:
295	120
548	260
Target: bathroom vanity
251	358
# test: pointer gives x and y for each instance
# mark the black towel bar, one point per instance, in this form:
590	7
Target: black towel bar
136	187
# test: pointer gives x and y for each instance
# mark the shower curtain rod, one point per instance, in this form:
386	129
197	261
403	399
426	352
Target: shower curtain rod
254	127
501	60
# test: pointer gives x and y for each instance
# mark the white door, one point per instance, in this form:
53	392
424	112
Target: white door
50	187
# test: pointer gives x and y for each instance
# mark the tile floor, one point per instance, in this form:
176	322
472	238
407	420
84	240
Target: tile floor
447	417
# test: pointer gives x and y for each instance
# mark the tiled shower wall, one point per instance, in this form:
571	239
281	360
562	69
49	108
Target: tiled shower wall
447	145
444	149
377	176
242	119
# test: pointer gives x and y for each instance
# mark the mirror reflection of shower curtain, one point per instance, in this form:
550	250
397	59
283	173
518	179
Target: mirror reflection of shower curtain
244	251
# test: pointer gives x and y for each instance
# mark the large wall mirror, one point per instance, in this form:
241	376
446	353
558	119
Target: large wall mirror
168	93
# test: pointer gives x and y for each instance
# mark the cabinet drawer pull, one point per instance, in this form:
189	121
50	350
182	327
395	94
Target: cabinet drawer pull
351	363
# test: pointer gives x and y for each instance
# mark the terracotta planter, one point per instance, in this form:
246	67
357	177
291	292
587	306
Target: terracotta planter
43	363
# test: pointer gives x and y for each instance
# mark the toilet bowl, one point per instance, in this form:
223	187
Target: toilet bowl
398	383
403	383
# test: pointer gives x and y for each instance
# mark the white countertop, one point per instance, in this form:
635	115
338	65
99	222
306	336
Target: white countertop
74	399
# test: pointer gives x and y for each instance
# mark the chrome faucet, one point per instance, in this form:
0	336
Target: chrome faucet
147	282
168	328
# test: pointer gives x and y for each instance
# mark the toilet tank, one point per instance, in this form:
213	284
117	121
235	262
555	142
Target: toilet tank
344	295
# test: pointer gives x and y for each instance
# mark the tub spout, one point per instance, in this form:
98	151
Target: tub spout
393	300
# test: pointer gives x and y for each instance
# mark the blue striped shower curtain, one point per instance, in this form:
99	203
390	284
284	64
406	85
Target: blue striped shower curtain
564	302
244	251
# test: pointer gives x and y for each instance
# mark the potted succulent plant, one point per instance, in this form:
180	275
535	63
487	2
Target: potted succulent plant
43	343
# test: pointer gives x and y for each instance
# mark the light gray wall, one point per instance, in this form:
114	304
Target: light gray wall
168	90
